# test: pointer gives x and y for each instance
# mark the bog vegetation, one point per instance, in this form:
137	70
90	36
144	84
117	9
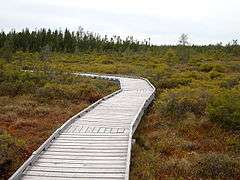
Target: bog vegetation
190	131
34	104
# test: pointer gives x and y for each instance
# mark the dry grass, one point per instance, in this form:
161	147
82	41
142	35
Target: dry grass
190	148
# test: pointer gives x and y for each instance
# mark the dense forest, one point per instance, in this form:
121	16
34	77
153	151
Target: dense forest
191	130
66	41
85	41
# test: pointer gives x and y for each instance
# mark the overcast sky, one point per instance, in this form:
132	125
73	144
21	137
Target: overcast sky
205	21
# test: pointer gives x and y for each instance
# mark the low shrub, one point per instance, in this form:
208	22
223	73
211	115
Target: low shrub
234	143
234	67
51	85
224	108
165	147
215	75
145	164
205	67
13	82
171	56
107	61
175	168
68	92
10	154
230	83
220	68
216	166
173	83
176	103
143	142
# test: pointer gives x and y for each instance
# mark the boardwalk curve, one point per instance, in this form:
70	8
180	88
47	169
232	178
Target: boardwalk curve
95	143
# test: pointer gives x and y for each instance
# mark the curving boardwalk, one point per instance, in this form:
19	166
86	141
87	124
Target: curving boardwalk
95	143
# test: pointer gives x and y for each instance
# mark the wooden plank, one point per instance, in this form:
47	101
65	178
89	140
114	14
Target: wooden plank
115	111
118	106
87	150
71	157
76	170
30	177
112	108
117	134
90	116
108	115
83	166
86	154
74	175
80	161
103	122
112	119
93	138
91	143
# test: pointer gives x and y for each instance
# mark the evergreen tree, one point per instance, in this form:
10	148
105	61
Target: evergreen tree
45	53
7	49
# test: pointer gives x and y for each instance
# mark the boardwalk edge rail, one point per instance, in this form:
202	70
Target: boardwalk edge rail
112	77
135	124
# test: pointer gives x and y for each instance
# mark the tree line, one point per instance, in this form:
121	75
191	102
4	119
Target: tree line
67	41
47	40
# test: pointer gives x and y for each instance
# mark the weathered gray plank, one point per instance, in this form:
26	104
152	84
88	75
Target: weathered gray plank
86	154
52	149
83	166
89	147
71	157
80	161
76	170
74	175
101	138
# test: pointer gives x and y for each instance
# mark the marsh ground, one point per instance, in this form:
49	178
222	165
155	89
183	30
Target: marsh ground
191	130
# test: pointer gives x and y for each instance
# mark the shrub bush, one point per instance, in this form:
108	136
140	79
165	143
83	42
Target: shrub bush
215	74
13	82
51	85
230	83
171	56
10	154
176	103
68	92
220	68
224	108
216	166
173	83
205	67
107	61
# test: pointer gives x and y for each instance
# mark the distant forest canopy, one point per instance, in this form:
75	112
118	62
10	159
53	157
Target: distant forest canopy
81	41
67	41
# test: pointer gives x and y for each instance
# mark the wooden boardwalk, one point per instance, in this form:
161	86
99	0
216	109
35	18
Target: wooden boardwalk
95	143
